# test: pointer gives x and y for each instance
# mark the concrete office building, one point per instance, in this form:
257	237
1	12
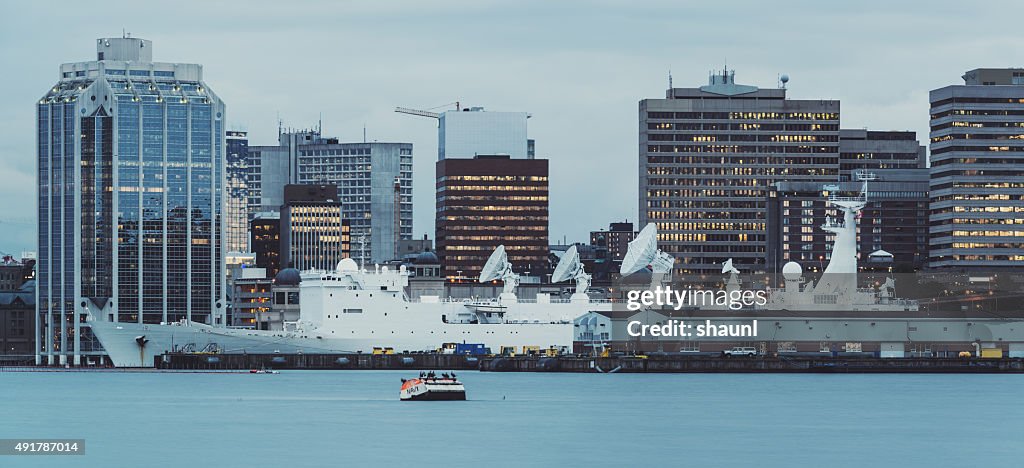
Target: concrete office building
489	201
472	131
17	307
615	240
250	297
236	212
977	172
314	236
709	156
131	171
872	151
374	185
609	248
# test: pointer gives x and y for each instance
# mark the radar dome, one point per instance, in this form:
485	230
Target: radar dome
426	258
792	270
347	265
288	277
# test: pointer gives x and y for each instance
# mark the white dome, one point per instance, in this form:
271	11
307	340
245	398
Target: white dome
347	265
792	270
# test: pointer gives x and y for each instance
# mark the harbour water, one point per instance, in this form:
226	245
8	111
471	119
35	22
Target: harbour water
354	418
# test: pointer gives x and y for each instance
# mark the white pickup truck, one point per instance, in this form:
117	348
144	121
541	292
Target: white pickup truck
740	351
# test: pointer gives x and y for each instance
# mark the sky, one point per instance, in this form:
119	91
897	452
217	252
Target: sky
580	69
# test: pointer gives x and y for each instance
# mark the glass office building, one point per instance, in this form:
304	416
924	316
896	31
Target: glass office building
130	160
469	132
236	214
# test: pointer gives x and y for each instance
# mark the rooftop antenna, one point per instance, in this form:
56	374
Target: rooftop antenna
362	249
669	78
320	124
364	132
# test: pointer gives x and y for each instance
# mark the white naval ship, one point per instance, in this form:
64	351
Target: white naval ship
835	292
352	310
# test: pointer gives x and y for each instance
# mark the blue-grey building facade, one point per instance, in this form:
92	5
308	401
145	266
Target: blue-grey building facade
130	178
374	182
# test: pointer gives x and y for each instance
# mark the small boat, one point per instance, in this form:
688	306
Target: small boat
263	371
431	387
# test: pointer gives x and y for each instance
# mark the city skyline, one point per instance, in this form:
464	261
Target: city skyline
580	82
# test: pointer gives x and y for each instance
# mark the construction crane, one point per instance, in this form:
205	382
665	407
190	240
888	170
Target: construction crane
427	112
421	113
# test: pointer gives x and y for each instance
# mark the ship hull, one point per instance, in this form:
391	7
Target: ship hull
120	340
438	396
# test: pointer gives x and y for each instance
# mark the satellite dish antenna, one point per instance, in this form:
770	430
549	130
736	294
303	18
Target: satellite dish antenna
571	267
495	265
643	252
727	267
498	267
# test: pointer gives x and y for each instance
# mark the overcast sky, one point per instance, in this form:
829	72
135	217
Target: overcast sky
579	68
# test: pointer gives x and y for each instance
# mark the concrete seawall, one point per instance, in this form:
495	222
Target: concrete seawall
626	364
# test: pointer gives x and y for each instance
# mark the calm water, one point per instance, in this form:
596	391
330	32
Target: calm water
353	418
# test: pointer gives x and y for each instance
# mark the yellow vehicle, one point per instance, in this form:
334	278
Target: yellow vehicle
992	353
551	352
378	351
531	350
607	352
509	351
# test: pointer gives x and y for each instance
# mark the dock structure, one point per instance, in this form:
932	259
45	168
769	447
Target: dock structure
668	363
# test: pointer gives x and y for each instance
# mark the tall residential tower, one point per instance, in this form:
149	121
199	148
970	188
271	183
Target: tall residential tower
131	157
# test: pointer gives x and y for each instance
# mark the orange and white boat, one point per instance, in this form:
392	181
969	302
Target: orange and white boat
431	387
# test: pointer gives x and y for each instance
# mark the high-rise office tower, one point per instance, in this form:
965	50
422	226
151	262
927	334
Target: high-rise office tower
374	185
488	201
236	214
265	241
977	171
131	156
708	156
472	131
314	236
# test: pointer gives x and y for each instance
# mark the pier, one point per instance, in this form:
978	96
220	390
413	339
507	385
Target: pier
586	364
